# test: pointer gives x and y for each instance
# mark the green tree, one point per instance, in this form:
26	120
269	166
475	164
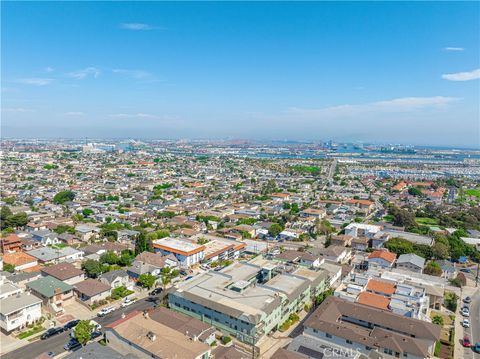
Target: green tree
414	191
143	243
433	268
87	212
399	246
440	250
83	331
10	268
92	267
146	280
437	319
275	229
64	196
109	258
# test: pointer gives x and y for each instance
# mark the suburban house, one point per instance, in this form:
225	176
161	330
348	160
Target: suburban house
143	337
362	230
411	262
16	314
91	291
367	329
188	326
45	237
341	240
66	272
117	278
21	261
46	255
152	263
337	254
382	258
53	292
11	243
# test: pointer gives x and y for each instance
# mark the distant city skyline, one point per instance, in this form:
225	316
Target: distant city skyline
390	72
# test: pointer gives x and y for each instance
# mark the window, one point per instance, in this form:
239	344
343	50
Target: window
349	341
328	335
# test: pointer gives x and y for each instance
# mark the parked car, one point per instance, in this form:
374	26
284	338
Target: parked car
466	323
96	334
156	291
127	302
71	324
51	332
467	300
72	345
465	312
465	270
466	342
189	277
476	347
105	311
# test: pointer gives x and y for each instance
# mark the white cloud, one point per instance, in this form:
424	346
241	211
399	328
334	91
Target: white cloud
83	73
74	113
17	110
453	48
462	76
133	115
48	69
403	104
136	26
35	81
136	74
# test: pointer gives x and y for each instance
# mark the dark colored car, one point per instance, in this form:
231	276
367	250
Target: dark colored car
183	272
72	345
71	324
51	332
467	300
465	270
156	291
466	342
96	335
476	347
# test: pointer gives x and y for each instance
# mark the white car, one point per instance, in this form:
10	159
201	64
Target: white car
466	323
465	312
127	302
105	311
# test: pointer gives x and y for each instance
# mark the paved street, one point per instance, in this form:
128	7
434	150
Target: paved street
57	342
473	332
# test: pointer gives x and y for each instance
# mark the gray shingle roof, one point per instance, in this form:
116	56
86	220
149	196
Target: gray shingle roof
411	258
20	301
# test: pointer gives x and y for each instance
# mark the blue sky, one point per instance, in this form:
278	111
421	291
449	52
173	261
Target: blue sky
376	72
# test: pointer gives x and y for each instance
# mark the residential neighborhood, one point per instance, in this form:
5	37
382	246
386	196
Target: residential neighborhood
257	258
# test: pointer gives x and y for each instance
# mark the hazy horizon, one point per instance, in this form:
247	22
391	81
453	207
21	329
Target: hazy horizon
386	72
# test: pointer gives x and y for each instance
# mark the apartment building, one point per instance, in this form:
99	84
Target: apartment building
187	253
248	299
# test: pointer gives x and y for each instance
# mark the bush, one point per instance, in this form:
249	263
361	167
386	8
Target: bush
450	301
226	339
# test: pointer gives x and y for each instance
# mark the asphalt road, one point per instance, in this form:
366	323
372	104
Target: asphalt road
475	319
57	342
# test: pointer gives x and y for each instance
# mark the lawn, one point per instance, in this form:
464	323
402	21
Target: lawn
388	218
426	221
473	192
30	332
